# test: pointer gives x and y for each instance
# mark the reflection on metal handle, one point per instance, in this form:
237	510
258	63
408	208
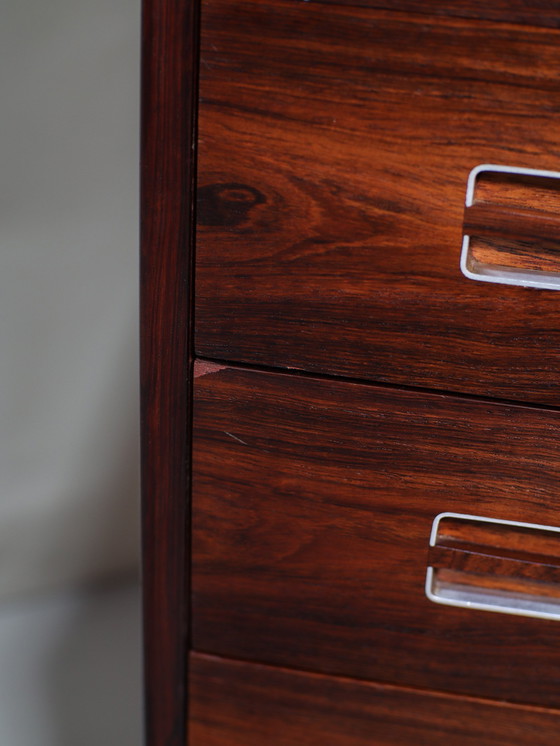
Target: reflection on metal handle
494	565
529	228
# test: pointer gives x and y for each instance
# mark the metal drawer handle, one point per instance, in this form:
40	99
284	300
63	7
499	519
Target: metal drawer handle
493	565
511	233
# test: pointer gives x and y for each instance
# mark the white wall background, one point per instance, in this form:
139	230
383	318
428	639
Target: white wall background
69	83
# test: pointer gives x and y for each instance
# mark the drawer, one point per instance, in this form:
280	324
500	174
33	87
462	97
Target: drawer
335	143
313	505
239	704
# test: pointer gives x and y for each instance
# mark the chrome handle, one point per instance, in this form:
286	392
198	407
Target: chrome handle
511	230
494	565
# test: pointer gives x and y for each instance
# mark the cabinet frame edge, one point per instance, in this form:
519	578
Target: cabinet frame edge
170	42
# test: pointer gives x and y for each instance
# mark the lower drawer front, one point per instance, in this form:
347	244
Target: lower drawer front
313	503
240	704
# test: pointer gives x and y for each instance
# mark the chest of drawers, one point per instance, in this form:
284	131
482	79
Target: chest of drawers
330	407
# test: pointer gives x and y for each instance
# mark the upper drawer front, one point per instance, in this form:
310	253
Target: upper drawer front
335	146
313	504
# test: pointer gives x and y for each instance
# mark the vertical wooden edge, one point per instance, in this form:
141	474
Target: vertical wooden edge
168	167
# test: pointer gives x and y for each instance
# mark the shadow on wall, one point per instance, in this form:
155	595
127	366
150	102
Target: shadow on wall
70	669
93	676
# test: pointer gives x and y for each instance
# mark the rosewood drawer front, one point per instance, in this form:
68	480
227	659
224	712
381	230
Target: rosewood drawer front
313	504
239	704
335	144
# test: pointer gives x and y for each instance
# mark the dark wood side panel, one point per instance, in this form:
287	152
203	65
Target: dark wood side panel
313	503
240	704
170	30
335	146
536	12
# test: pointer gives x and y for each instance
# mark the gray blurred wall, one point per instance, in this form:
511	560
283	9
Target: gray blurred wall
69	77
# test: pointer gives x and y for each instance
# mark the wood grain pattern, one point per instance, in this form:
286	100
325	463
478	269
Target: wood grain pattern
536	12
515	190
500	253
239	704
470	559
169	49
335	145
498	538
313	503
536	226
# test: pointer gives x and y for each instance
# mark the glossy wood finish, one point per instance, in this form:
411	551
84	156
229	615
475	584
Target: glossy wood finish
470	559
535	226
335	145
168	110
237	704
535	12
313	503
336	140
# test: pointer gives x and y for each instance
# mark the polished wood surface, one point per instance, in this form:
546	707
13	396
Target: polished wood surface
169	53
537	226
336	138
313	503
240	704
470	559
335	146
533	12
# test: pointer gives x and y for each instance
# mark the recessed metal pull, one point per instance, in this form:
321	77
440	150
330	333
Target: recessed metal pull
493	565
511	228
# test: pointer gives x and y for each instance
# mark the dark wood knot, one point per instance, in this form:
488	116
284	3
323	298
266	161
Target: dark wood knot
226	204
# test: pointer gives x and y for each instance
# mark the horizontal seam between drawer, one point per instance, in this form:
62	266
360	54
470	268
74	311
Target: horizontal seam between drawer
300	373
